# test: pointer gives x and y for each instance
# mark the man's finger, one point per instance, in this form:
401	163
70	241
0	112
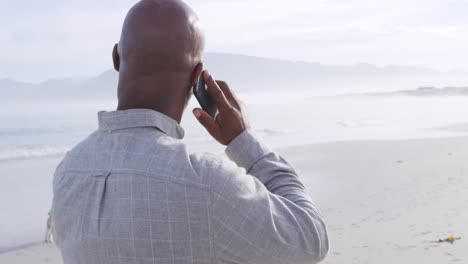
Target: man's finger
216	93
207	121
231	97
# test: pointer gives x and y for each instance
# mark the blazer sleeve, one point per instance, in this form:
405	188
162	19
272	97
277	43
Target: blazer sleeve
260	209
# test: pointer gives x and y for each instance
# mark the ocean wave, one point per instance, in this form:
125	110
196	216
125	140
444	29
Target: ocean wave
270	132
26	152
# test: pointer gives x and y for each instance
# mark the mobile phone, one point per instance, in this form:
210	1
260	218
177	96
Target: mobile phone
200	90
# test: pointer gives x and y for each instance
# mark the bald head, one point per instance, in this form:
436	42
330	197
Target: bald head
160	36
158	56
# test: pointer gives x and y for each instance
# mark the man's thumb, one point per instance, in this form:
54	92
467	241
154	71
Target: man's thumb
206	120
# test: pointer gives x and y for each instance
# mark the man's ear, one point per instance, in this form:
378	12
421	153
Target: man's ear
196	74
116	57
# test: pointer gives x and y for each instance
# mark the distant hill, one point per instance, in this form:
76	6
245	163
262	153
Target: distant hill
247	73
419	92
433	91
259	73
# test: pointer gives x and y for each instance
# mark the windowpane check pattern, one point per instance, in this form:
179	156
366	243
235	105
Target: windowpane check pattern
132	193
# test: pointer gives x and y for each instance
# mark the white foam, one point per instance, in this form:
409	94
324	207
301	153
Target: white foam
25	152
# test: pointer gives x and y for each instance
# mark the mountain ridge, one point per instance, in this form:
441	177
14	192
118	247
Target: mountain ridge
246	73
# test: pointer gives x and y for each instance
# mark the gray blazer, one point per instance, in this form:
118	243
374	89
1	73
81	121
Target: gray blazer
132	193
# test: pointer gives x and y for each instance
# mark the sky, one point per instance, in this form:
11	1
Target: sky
47	39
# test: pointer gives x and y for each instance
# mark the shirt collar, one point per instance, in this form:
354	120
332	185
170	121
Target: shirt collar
133	118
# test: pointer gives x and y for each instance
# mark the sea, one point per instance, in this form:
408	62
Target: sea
42	129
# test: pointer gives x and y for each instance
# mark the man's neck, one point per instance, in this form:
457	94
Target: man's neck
161	106
162	93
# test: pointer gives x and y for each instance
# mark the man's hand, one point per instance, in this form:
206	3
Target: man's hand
230	121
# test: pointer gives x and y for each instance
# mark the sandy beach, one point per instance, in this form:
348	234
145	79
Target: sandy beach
384	201
387	202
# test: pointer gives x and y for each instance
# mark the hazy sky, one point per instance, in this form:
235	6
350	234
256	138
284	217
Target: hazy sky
49	38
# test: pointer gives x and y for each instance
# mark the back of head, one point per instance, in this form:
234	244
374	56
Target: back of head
160	36
159	50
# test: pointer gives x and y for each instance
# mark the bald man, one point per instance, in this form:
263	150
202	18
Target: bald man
132	193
